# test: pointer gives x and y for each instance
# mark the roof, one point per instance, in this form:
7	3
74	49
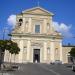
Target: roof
68	45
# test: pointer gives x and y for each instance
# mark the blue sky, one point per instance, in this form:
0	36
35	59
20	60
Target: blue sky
64	17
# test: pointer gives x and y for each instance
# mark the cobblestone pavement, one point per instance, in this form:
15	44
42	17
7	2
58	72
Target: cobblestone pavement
41	69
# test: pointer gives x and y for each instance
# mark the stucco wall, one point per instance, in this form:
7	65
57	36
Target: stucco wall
66	50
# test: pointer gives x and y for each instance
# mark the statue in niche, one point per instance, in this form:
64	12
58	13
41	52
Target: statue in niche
48	26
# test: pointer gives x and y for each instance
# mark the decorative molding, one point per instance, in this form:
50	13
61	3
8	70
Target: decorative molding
40	8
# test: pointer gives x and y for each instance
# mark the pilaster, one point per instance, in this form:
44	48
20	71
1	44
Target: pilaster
29	27
28	50
23	25
52	51
51	26
61	56
45	26
45	51
21	51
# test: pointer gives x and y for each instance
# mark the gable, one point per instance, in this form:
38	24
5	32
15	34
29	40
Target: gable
37	10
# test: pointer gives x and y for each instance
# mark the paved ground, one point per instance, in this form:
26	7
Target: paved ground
41	69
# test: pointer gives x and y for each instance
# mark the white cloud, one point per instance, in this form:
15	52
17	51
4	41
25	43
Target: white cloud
63	28
12	20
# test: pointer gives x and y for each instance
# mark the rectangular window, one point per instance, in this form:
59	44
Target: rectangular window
37	28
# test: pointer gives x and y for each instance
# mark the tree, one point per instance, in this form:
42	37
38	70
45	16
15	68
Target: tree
12	47
9	45
2	49
72	53
2	45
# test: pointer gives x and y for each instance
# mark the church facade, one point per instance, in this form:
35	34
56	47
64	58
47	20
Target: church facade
36	37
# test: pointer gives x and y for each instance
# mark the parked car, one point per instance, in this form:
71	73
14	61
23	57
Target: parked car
73	67
56	62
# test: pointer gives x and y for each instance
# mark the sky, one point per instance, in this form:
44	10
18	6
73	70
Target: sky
63	19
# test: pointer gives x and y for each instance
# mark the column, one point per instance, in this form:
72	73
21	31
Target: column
45	26
28	51
61	57
29	26
21	51
45	51
23	26
52	51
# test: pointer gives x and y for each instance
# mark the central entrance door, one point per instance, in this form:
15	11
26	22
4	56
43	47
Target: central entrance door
36	55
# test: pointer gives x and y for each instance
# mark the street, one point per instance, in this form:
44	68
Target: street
41	69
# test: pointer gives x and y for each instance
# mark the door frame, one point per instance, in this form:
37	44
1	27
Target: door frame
37	53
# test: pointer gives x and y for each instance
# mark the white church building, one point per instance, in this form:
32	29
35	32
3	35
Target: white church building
35	35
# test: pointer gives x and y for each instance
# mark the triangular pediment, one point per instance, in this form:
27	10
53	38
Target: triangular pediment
37	10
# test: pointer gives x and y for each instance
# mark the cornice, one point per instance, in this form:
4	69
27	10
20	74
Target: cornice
36	35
